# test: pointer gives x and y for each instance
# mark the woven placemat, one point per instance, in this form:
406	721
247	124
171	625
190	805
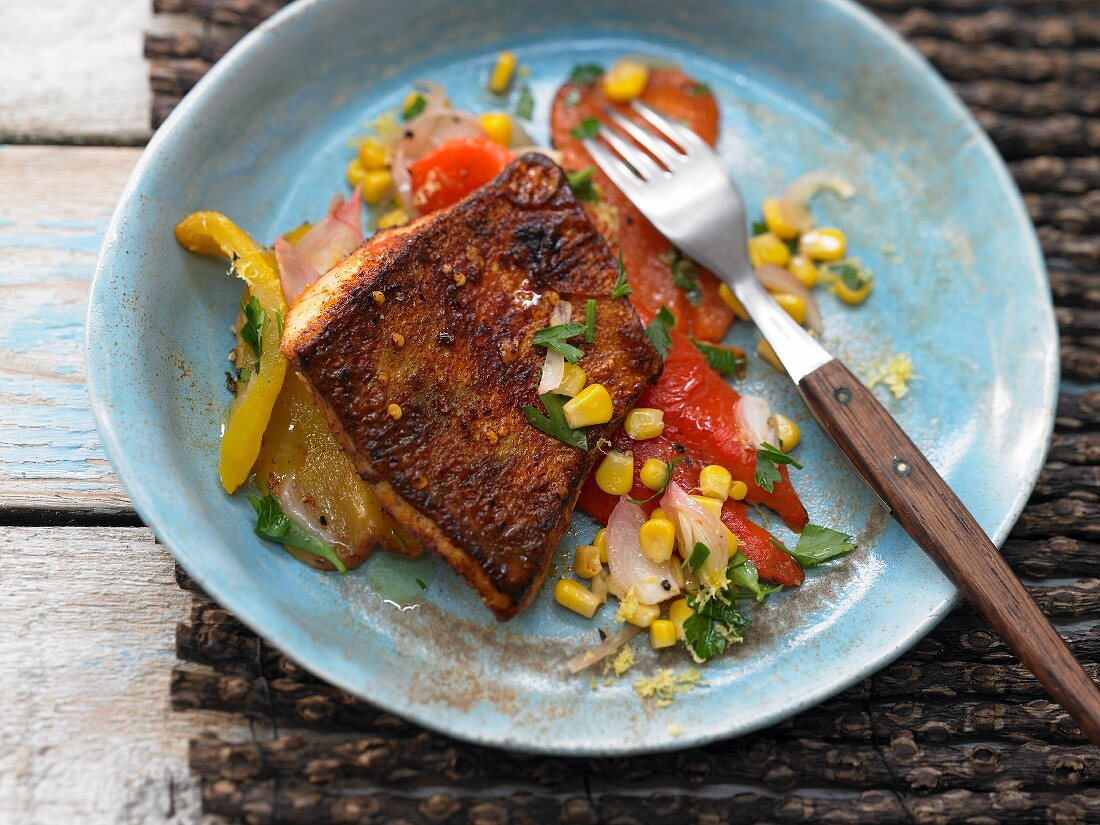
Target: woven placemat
955	731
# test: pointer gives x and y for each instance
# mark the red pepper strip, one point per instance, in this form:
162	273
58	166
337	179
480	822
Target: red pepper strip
699	414
771	562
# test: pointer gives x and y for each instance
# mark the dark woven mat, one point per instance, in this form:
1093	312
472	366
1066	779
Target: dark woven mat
956	731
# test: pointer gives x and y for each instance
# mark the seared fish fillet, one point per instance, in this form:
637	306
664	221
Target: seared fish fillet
419	349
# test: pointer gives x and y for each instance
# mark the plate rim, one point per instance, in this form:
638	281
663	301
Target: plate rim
96	368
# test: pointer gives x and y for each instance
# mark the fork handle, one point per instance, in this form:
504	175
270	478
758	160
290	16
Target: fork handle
932	514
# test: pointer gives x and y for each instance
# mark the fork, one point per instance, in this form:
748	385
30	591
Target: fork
680	185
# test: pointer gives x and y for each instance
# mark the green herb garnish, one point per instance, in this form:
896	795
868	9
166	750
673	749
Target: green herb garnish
621	288
525	103
699	89
743	573
414	107
699	555
759	227
585	73
723	360
588	128
768	460
670	468
590	321
553	422
659	332
854	275
420	582
275	525
713	626
555	338
819	544
685	275
252	331
583	186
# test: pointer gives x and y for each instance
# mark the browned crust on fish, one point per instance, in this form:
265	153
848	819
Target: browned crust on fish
464	291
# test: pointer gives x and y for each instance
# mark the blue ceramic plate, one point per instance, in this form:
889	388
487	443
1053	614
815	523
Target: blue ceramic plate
961	288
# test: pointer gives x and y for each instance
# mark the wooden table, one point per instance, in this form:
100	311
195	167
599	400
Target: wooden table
90	660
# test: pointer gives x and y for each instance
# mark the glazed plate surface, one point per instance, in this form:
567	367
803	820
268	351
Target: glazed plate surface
802	86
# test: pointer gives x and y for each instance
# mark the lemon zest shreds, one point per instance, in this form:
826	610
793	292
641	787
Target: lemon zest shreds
628	607
895	374
664	686
618	664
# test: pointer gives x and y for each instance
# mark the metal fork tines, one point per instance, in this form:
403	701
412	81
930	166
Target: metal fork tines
681	185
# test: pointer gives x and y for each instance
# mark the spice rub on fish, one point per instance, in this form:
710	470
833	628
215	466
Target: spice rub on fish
419	348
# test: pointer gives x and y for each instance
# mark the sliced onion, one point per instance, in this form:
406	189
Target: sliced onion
778	279
422	134
603	649
293	502
796	197
630	567
754	419
327	242
694	524
553	368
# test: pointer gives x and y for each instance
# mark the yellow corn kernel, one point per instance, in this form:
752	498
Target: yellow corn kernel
586	561
572	381
792	304
726	294
768	249
497	126
576	597
600	583
778	219
356	172
600	543
373	155
654	473
712	505
376	185
658	538
395	217
625	80
615	475
826	244
731	540
662	633
765	351
295	235
714	481
738	490
678	613
803	269
852	296
592	405
644	615
644	422
659	513
503	70
787	432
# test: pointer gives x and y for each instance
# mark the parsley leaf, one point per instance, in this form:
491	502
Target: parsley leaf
854	275
585	73
275	525
712	628
621	288
768	459
658	332
252	331
699	89
759	227
670	468
819	544
414	107
743	573
553	422
723	360
555	338
583	186
685	276
525	103
590	321
699	555
588	128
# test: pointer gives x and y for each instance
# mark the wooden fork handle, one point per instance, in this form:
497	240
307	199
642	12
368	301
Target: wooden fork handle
932	514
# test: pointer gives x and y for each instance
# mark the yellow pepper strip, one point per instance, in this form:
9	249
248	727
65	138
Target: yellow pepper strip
210	233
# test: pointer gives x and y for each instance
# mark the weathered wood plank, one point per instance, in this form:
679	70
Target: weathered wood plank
55	208
86	649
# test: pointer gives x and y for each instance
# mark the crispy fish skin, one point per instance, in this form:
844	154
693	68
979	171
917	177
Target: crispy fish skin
437	318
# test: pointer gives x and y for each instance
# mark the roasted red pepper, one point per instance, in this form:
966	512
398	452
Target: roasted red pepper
771	562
